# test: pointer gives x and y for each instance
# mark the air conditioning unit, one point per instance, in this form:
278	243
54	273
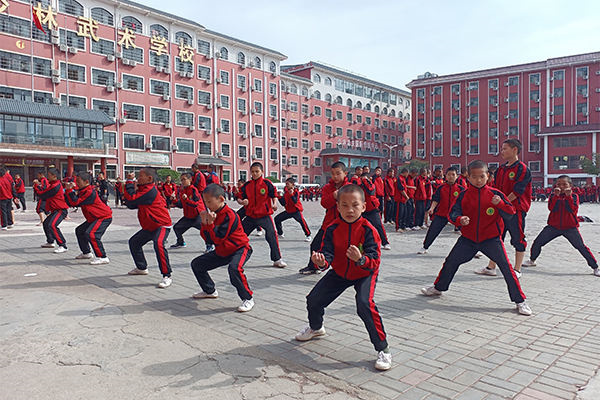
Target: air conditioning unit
56	100
118	54
125	61
63	47
506	100
119	85
208	81
537	117
55	72
55	79
174	147
252	89
73	50
219	105
148	145
208	56
254	134
132	63
218	80
219	130
122	120
251	64
167	125
244	159
254	157
597	108
54	33
312	149
189	75
209	106
159	69
191	128
274	95
244	89
244	112
182	74
55	40
585	114
506	117
166	97
551	112
275	140
190	102
275	161
167	70
110	89
245	136
219	154
253	111
110	58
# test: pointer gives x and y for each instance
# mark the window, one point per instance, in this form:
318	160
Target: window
110	138
203	97
161	61
242	152
22	27
241	82
103	78
159	87
184	145
159	30
571	141
317	78
534	129
159	115
558	109
305	163
534	146
226	149
257	85
70	7
241	58
224	53
317	111
203	47
184	118
184	92
241	105
582	72
273	155
71	39
102	16
473	85
339	132
184	66
492	148
294	160
134	83
132	141
161	143
273	67
558	75
203	72
133	112
242	128
224	101
317	128
272	89
558	92
103	46
534	166
257	63
350	134
534	79
183	37
205	148
258	152
108	107
513	81
132	23
205	123
72	72
567	162
73	101
273	110
293	106
305	144
258	130
133	54
224	76
513	114
257	108
273	132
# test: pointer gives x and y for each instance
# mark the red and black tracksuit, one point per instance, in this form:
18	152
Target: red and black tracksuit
421	183
562	221
293	209
55	204
483	233
20	191
389	187
168	189
344	273
515	178
192	207
155	220
371	213
7	194
355	180
329	203
231	248
259	193
409	215
119	188
98	216
401	202
379	191
445	196
212	178
199	180
42	184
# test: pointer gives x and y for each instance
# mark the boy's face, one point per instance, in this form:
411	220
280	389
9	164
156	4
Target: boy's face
358	171
478	177
51	177
213	203
451	177
391	173
168	180
350	206
366	170
143	178
378	172
240	184
255	172
185	181
338	175
81	183
507	152
563	184
289	185
413	174
404	174
17	176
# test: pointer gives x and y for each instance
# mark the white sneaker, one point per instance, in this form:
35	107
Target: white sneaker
479	255
486	271
137	271
165	283
384	361
209	248
48	246
529	263
4	228
307	333
524	309
518	274
259	233
279	263
60	249
423	226
596	271
84	256
282	235
415	228
100	261
422	251
430	291
246	305
386	247
308	239
204	295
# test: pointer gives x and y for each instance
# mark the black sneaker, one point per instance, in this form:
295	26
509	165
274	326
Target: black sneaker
309	271
177	245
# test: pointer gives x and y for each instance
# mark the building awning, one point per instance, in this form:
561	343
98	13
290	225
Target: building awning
351	152
285	172
569	129
207	160
53	154
63	113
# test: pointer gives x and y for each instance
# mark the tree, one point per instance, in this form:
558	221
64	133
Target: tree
592	166
273	179
418	164
164	172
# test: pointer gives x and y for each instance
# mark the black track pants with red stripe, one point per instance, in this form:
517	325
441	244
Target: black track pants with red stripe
464	250
374	218
51	228
209	261
516	227
330	287
250	224
573	235
90	233
437	224
159	237
284	216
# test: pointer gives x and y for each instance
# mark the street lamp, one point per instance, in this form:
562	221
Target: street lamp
390	148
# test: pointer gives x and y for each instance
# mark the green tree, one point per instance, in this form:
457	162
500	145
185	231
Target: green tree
418	164
164	172
591	166
273	179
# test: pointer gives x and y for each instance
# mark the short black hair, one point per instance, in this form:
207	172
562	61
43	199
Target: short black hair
477	164
241	180
2	170
358	167
451	169
403	170
340	165
214	190
365	175
151	172
414	170
366	166
377	167
84	176
422	170
186	175
390	169
257	164
195	166
438	168
352	188
567	177
291	180
53	171
514	143
211	166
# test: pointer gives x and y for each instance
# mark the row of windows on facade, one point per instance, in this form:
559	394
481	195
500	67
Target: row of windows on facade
21	27
534	166
474	133
534	80
473	149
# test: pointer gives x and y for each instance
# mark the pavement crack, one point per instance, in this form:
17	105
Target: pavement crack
76	364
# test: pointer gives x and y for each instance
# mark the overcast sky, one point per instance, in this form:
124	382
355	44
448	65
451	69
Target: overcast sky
394	41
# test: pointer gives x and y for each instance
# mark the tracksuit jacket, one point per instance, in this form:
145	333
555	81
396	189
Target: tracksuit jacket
379	185
199	181
445	196
515	178
19	186
92	206
193	205
389	187
151	206
54	196
291	201
371	200
226	232
259	193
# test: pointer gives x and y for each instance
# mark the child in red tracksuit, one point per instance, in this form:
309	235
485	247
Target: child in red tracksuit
562	221
371	213
20	190
7	194
351	247
293	209
155	220
54	198
401	198
222	226
379	188
328	202
389	188
258	197
420	183
98	216
442	202
169	190
480	211
189	199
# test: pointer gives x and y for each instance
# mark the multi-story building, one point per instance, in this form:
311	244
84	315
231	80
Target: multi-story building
175	93
552	106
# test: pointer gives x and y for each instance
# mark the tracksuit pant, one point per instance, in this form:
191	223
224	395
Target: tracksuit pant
315	245
331	286
374	218
400	215
420	212
51	228
516	227
118	198
22	202
437	224
91	233
284	216
159	237
183	225
235	261
267	224
573	235
390	211
409	213
465	249
5	212
380	198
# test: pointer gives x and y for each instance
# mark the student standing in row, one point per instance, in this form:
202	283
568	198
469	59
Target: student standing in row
293	209
192	204
401	198
53	198
389	192
7	194
20	191
371	213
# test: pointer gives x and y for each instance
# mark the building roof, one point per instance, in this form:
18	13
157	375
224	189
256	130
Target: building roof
285	75
207	160
336	71
39	110
569	129
549	63
351	152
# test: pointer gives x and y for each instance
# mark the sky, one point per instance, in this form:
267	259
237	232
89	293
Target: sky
394	41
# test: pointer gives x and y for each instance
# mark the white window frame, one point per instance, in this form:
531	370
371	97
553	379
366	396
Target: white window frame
164	137
133	76
133	134
134	120
186	139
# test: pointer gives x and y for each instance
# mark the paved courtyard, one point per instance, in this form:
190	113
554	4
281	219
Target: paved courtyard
76	331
